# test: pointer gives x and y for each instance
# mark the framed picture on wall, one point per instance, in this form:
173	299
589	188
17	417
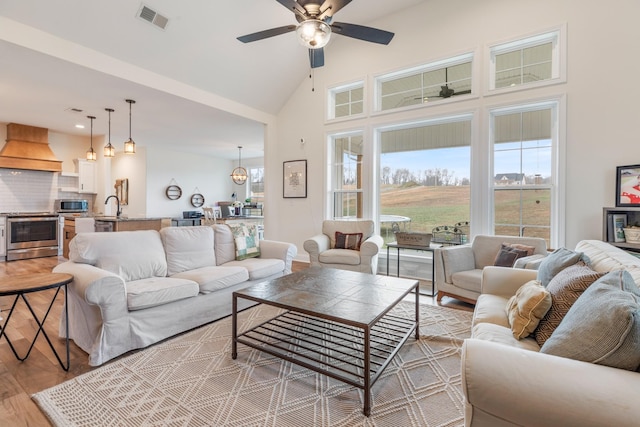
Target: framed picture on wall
628	186
294	179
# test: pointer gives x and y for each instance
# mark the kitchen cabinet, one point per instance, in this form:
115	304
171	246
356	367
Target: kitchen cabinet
3	237
87	177
68	233
129	224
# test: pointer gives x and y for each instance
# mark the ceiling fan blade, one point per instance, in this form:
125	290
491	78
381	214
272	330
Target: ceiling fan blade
330	7
316	57
293	6
362	33
266	34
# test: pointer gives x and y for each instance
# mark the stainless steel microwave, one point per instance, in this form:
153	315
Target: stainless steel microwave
71	205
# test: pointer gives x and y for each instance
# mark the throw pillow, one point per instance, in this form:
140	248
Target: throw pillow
527	307
603	325
245	237
508	255
565	288
530	249
348	240
555	262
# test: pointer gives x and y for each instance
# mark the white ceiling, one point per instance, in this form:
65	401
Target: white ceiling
196	87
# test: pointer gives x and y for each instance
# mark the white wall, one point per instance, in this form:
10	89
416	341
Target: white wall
600	92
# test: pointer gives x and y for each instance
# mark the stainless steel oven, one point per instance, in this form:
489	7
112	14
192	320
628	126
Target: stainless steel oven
31	236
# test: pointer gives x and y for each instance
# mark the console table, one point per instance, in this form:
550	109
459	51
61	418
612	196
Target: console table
399	246
19	287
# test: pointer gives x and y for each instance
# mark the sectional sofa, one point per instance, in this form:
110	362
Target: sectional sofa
135	288
516	382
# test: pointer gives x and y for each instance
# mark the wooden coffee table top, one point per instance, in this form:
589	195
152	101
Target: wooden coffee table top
24	283
349	297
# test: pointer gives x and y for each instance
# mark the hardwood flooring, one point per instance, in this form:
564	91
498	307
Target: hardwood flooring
19	380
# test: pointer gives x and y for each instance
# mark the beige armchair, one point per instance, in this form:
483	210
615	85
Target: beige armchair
347	245
458	269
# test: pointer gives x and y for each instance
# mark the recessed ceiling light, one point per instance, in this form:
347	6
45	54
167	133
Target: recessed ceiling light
79	126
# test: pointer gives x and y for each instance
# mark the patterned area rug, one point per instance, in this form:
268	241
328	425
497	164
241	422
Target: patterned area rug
191	380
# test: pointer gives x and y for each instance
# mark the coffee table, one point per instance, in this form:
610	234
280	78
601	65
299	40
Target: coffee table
334	322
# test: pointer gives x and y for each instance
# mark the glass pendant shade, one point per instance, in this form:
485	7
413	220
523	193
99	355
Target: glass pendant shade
313	33
130	146
109	150
239	174
91	154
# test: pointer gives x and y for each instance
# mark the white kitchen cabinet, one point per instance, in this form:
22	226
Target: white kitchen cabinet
3	237
87	177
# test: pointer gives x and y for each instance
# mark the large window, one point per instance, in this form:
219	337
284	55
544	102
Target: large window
425	176
256	184
346	176
426	84
523	181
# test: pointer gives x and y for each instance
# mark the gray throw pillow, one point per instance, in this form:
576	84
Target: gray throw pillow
555	262
603	325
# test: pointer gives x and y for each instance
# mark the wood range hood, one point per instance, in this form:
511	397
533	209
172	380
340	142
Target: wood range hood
28	148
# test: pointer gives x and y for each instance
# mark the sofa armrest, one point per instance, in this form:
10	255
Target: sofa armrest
505	281
279	250
526	388
371	246
315	245
455	259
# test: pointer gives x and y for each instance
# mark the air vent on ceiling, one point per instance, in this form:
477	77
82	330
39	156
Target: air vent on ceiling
153	17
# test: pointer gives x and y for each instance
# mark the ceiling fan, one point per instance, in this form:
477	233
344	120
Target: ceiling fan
445	90
315	27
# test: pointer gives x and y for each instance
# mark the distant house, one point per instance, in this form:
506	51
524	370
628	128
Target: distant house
509	179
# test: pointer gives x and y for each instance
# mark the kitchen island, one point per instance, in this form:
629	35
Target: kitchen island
112	223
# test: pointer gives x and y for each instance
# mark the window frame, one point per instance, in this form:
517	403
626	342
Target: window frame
338	89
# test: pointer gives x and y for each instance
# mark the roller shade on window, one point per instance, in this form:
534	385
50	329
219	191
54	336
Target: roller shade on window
525	126
443	135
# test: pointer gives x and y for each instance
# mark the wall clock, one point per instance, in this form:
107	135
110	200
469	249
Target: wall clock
173	192
197	200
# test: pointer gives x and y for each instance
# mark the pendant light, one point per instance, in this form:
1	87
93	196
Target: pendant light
91	155
109	150
130	146
239	174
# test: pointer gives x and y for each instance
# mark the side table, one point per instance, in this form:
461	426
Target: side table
399	246
20	286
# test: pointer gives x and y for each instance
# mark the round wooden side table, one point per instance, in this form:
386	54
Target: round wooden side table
21	285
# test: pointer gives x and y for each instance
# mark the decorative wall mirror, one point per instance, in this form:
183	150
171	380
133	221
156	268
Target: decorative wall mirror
122	191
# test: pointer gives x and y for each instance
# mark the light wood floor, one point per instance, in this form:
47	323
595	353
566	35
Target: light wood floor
19	380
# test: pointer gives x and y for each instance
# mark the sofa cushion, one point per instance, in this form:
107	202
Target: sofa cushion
525	309
565	288
212	279
348	240
470	280
225	246
154	291
132	255
366	227
491	309
340	256
528	248
502	335
245	237
603	325
555	262
188	248
259	268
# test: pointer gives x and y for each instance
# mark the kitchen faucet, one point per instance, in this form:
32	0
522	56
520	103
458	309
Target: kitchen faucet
118	211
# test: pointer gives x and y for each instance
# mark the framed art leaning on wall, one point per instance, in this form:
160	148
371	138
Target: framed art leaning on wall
294	179
628	186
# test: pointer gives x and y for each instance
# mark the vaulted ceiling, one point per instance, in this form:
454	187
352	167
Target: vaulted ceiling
196	87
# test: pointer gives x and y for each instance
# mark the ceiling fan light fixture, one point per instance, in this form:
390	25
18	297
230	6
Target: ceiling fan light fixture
91	154
239	174
313	33
130	146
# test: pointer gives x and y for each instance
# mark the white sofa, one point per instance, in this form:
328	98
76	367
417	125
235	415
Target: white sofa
134	288
508	382
458	269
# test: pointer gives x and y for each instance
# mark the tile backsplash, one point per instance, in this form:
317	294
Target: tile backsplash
27	191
